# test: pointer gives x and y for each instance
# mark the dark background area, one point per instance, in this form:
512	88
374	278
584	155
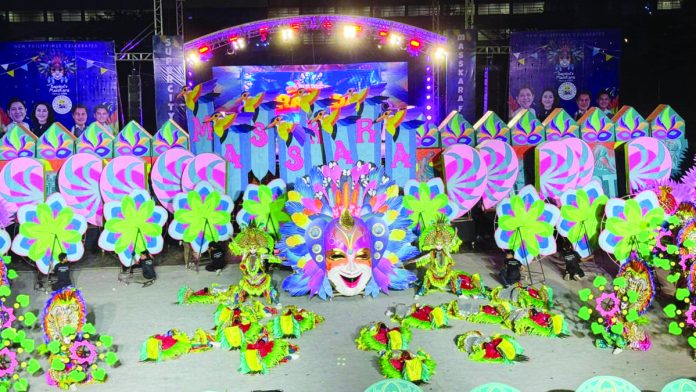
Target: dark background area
656	62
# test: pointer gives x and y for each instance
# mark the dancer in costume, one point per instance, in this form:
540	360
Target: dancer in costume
378	337
264	353
418	367
495	349
348	233
293	322
524	296
439	241
539	323
423	317
169	345
497	313
254	245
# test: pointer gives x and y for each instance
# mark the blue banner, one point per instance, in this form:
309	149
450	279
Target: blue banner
461	73
55	77
168	63
550	69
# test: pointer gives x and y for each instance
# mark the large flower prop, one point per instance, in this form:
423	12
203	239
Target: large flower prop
132	226
362	198
201	216
525	225
426	202
48	229
631	226
581	211
264	205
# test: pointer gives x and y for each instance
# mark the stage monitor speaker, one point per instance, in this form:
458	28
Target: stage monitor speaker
135	107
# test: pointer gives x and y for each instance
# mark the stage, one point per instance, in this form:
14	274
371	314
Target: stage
328	358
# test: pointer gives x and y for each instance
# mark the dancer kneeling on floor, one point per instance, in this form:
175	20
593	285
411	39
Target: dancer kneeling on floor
217	254
572	262
510	274
148	265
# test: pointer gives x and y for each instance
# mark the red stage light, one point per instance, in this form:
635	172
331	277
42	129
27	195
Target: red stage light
415	43
233	39
327	25
263	30
203	49
383	33
295	26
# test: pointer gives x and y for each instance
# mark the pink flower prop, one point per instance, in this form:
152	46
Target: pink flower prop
83	352
690	314
607	314
9	358
7	317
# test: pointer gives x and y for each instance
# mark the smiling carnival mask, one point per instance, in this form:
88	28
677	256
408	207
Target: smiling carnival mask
347	242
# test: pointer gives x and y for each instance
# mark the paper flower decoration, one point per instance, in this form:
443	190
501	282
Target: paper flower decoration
5	241
631	225
8	358
264	204
525	225
47	230
133	225
426	202
607	305
201	216
581	211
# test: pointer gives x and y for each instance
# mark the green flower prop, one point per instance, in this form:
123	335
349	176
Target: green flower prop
631	226
426	202
265	205
581	211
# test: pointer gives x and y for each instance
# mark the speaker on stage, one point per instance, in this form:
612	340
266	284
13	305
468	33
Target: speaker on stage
135	106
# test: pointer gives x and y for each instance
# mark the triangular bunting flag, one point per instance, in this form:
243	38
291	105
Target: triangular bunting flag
607	57
24	67
11	73
535	55
90	63
521	61
517	55
595	51
102	70
4	66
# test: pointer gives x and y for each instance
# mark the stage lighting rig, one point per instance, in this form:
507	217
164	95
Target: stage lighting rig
350	31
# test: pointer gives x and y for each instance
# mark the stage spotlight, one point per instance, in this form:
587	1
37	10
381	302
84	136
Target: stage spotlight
383	33
203	49
395	39
428	107
427	97
440	53
286	34
193	58
350	31
415	43
428	117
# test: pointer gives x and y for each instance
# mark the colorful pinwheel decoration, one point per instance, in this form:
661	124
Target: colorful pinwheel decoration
48	229
614	320
132	226
581	212
426	202
631	226
201	216
525	225
265	205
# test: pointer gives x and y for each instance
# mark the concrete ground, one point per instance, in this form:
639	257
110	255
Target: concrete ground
329	360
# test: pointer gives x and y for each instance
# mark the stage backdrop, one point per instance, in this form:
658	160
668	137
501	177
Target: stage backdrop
168	64
62	74
566	62
461	73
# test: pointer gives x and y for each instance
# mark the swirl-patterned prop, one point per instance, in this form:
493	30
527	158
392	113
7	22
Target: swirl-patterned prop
557	168
78	181
585	158
649	162
466	177
22	183
121	176
205	167
503	168
166	175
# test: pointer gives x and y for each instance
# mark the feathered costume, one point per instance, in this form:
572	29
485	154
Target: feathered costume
490	314
524	296
424	317
378	337
255	246
207	295
66	307
293	322
353	215
439	241
539	323
174	344
235	325
496	349
418	367
264	353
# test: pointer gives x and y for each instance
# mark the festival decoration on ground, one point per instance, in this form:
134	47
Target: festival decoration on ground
10	316
207	295
539	323
426	203
343	222
581	211
525	225
254	246
647	160
526	129
292	322
79	357
607	383
6	219
236	324
48	229
439	241
78	180
265	353
173	344
639	279
379	337
6	274
466	177
16	357
22	183
558	168
166	175
132	226
121	176
201	216
457	131
402	364
631	225
503	168
498	348
613	320
263	205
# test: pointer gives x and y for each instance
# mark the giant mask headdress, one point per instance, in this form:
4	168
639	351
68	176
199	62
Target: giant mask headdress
348	232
